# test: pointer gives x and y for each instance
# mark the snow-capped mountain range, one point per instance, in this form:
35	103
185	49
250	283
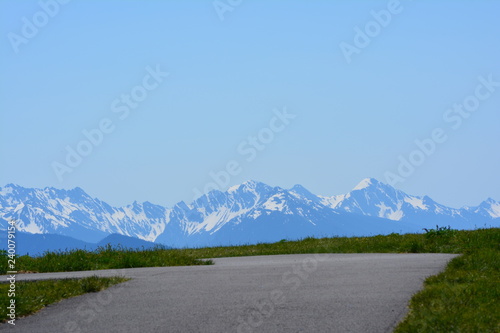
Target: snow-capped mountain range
244	214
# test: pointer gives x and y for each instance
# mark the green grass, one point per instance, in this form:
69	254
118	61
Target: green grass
464	298
34	295
448	242
103	258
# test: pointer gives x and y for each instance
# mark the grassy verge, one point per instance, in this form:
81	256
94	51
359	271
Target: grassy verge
466	296
103	258
444	241
34	295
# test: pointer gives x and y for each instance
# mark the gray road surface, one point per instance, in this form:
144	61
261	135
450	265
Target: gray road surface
286	293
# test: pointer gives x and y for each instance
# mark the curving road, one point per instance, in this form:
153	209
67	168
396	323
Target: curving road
285	293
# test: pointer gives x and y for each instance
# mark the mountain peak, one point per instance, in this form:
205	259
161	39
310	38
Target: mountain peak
305	193
249	184
367	182
76	192
490	201
77	189
298	188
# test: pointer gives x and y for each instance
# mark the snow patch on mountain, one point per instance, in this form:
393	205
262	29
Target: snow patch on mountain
332	201
416	202
494	210
390	213
214	221
275	203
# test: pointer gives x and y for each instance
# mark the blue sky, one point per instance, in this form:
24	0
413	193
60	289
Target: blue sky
226	81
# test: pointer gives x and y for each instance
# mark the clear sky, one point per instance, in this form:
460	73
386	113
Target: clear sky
358	93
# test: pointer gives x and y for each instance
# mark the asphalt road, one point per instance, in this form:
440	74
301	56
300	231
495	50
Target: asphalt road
287	293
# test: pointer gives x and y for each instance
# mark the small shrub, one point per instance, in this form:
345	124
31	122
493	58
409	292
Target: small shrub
439	232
